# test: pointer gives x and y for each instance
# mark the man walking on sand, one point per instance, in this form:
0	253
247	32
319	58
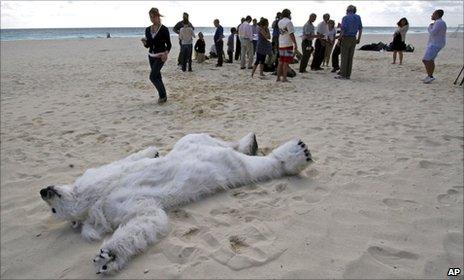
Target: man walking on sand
351	25
287	45
437	40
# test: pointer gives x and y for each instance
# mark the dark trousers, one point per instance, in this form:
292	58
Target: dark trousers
347	47
179	58
306	49
335	57
186	57
255	43
220	51
238	48
230	54
319	53
155	75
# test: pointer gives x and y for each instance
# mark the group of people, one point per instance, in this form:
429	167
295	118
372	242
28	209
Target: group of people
254	41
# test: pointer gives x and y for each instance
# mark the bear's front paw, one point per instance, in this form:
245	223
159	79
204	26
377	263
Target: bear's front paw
105	262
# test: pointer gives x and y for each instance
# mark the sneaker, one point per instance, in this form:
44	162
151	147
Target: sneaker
425	78
340	77
428	80
335	70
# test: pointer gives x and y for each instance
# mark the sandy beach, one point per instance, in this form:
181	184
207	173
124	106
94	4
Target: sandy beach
384	198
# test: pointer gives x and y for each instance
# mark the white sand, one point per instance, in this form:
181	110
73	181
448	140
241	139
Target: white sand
383	200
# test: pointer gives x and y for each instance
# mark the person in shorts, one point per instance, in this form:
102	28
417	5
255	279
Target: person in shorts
437	40
287	44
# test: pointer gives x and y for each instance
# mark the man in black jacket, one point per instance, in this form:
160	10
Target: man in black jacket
177	28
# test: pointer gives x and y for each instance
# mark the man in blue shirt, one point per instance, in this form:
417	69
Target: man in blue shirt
218	43
351	25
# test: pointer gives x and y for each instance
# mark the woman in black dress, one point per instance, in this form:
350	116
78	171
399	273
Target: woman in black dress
158	42
399	38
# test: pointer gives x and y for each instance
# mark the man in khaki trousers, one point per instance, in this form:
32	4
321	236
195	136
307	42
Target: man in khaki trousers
245	33
351	26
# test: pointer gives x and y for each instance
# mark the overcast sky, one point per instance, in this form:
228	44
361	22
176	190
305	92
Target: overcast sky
55	14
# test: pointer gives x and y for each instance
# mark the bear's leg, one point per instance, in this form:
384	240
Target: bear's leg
150	152
248	145
147	222
288	159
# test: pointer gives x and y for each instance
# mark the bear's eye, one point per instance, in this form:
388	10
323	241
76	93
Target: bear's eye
53	210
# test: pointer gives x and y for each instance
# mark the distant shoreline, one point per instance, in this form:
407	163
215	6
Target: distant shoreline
134	32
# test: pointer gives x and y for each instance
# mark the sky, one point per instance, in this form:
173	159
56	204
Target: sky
68	14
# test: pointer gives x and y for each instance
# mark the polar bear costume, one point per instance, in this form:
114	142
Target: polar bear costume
129	197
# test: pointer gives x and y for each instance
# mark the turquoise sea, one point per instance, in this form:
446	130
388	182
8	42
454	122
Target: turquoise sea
81	33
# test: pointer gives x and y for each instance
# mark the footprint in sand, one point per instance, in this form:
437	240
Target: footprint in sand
281	187
250	246
395	203
452	257
390	256
179	214
381	262
429	164
452	196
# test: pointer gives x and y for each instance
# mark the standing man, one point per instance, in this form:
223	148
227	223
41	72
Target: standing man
307	43
287	44
238	46
218	43
351	25
245	34
319	48
275	31
254	29
437	40
176	29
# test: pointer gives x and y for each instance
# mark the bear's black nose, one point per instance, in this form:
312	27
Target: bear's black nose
47	192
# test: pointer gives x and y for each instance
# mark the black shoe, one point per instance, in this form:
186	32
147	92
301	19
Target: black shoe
319	69
334	70
303	71
162	100
218	65
190	70
242	68
250	67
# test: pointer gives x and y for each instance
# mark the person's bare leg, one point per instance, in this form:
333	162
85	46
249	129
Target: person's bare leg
253	72
432	67
284	72
279	71
429	67
261	70
394	57
401	57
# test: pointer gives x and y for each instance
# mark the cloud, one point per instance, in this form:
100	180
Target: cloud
52	14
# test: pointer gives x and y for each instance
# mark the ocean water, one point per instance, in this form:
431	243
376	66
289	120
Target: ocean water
81	33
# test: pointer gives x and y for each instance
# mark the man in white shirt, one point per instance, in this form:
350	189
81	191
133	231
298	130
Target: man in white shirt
437	40
245	33
319	47
287	44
